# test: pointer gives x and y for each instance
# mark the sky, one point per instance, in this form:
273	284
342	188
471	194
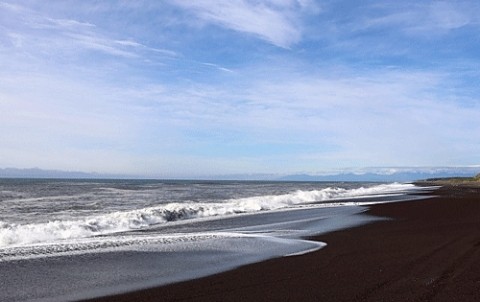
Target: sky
181	88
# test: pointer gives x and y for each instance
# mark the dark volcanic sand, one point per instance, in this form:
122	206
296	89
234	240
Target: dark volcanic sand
430	251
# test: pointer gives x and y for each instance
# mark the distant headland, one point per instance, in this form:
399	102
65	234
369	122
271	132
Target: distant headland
455	181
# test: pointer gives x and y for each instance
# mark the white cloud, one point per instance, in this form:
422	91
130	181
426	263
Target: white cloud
343	119
107	46
68	23
11	7
38	33
381	117
274	21
218	67
221	109
131	43
388	118
447	15
437	17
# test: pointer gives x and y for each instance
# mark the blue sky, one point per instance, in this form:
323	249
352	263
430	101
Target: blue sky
181	88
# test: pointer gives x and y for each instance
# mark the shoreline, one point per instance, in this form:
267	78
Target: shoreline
83	268
428	251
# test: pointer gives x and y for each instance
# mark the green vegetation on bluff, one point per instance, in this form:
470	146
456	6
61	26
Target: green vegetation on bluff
454	180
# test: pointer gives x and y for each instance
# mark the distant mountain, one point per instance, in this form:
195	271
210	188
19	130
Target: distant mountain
40	173
402	175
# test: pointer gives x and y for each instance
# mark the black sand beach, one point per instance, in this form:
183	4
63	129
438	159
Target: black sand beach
428	251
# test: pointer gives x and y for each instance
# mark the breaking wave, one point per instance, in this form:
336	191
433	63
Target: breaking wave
12	234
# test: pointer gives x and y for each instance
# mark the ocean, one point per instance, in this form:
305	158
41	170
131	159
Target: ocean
73	239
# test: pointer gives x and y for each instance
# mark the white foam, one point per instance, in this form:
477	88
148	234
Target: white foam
12	234
108	244
318	245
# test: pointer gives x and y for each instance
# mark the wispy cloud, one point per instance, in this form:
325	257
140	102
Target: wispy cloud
66	23
449	15
39	33
167	86
344	118
218	67
274	21
438	17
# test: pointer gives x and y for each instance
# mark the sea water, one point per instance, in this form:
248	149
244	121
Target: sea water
72	239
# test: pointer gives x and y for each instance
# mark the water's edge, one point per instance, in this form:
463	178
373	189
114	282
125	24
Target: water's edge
175	252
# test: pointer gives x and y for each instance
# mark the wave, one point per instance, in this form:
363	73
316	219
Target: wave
12	234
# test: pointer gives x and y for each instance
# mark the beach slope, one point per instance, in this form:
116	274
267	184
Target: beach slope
428	251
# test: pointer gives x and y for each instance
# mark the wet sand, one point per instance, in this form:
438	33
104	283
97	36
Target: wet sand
428	251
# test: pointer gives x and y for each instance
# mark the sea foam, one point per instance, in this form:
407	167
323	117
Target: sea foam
12	234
